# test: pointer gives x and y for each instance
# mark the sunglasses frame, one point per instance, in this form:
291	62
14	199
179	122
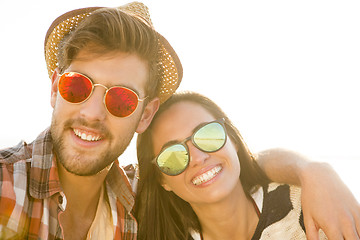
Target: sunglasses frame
93	85
221	121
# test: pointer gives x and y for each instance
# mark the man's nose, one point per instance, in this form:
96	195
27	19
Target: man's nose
94	108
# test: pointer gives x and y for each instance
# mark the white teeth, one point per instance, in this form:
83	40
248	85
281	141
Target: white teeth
86	137
206	176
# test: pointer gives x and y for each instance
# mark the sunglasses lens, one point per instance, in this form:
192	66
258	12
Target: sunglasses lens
173	160
74	87
121	102
210	137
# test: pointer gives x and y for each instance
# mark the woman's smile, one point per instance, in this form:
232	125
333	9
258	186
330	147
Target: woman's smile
206	176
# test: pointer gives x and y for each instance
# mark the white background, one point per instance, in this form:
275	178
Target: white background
286	72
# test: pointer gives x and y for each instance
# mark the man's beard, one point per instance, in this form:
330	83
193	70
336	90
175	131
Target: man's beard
75	161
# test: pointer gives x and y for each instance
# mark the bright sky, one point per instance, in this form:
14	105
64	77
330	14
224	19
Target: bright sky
286	72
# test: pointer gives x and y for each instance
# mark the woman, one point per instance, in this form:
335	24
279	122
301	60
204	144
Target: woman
200	181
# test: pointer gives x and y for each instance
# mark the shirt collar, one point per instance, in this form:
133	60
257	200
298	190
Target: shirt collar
119	183
44	179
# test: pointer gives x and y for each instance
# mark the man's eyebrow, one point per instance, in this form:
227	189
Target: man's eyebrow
127	86
131	88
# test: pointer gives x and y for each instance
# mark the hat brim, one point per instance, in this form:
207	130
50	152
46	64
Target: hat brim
169	64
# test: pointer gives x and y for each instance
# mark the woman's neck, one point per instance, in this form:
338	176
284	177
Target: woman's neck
234	217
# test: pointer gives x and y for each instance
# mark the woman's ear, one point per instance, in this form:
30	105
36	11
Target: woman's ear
54	86
166	187
148	114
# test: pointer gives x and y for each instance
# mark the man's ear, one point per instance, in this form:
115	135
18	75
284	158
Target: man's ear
54	86
148	114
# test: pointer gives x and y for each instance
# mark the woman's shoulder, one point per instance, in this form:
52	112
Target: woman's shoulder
281	213
277	194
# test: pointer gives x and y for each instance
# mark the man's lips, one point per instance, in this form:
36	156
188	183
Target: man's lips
87	136
206	176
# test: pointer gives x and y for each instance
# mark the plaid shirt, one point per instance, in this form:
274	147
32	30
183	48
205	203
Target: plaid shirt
31	197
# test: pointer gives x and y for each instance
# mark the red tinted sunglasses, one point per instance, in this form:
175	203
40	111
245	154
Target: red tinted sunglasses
77	88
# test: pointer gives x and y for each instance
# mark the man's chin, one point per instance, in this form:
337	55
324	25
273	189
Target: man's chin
83	170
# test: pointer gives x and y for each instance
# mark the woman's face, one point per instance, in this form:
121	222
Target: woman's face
210	177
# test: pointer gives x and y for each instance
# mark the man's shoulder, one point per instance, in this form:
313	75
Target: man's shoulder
15	163
20	152
23	151
14	170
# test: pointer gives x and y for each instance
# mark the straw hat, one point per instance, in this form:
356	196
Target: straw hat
169	65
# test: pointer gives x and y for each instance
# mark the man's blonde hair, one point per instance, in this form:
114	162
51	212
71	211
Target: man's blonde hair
109	30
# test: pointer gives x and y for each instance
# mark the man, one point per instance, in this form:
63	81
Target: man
110	71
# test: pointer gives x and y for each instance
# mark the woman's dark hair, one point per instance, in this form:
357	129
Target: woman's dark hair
162	214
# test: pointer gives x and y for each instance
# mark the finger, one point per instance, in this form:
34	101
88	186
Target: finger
353	231
334	234
350	233
349	227
357	223
332	231
311	229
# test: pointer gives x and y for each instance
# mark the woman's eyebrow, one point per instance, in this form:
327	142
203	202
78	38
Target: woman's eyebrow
172	142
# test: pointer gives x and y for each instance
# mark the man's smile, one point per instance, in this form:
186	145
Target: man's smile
87	136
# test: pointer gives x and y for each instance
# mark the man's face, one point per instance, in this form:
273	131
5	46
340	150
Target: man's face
86	137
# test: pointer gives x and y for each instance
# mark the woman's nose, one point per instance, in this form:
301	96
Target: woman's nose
197	156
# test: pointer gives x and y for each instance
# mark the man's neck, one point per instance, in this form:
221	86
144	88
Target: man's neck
81	191
82	196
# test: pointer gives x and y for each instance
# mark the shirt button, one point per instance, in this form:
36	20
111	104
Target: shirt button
60	199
